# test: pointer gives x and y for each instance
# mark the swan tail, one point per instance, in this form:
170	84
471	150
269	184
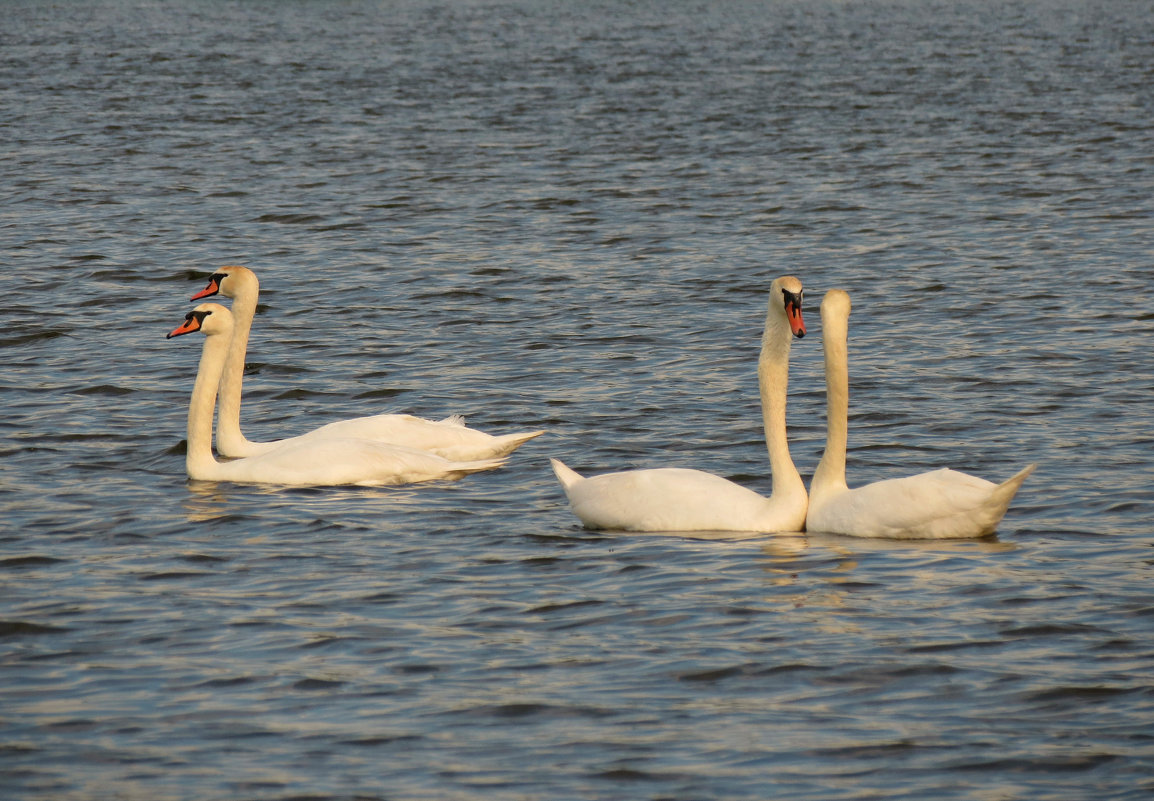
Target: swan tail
1009	488
565	475
493	445
1000	498
508	443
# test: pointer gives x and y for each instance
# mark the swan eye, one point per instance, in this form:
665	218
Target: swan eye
792	298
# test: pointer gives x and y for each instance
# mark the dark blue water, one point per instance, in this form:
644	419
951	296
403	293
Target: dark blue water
566	216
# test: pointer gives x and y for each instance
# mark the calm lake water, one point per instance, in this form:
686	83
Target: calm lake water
566	216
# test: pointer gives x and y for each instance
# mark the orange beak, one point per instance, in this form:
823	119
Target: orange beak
796	324
191	323
212	288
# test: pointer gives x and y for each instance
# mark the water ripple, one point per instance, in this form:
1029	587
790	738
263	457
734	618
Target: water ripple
566	216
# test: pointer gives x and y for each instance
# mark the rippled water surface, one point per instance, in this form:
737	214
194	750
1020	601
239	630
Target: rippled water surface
566	216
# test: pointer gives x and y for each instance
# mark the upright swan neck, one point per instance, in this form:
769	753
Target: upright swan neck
229	437
199	460
773	381
830	471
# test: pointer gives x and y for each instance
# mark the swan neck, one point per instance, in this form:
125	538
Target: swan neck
773	381
831	469
199	460
229	438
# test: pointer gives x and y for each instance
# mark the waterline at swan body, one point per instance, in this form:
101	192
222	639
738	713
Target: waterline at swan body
449	438
303	461
940	504
680	499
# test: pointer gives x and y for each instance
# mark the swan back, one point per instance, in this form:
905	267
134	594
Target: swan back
673	499
940	504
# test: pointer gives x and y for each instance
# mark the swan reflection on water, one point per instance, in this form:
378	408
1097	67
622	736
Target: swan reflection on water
795	561
209	501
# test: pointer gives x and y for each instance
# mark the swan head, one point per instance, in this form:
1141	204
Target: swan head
229	281
210	318
835	305
785	298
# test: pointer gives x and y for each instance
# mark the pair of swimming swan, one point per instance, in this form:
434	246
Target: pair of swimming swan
941	504
368	451
391	449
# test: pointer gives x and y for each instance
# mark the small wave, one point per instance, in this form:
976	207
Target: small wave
29	561
235	681
1070	764
289	219
313	685
1080	694
172	575
34	336
549	608
386	392
298	394
381	739
716	674
103	389
528	709
20	628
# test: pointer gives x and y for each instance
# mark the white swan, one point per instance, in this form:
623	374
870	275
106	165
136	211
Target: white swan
303	461
678	499
448	438
941	504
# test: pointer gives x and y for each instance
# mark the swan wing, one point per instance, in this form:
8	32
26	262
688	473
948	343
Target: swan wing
341	461
448	438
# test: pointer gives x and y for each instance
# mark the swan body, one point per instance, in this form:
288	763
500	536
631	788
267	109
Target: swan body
940	504
449	438
303	461
679	499
642	500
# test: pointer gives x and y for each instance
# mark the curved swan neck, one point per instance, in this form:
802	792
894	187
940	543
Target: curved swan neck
199	460
773	382
229	437
835	333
